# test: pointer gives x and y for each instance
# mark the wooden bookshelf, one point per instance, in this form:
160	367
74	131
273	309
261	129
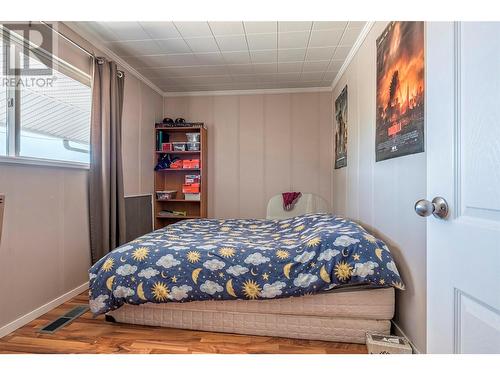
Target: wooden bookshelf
173	179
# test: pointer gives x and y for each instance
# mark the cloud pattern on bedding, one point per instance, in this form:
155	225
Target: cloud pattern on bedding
210	259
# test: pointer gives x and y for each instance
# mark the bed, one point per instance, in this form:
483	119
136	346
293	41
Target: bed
291	277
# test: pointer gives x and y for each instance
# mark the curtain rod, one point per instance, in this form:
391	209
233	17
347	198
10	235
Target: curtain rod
91	54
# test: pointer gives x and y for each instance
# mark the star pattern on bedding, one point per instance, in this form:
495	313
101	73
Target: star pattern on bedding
209	259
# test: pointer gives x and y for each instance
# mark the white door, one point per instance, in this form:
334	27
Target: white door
463	166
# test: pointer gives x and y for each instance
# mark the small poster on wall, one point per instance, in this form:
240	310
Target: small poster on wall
341	130
400	90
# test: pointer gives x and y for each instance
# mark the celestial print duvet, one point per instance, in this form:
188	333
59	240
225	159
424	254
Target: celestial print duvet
209	259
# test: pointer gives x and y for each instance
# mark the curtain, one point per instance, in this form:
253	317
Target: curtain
106	194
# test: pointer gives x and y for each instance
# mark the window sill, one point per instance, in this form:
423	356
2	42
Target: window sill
19	160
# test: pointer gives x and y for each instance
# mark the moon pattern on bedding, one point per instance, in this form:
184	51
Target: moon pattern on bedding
209	259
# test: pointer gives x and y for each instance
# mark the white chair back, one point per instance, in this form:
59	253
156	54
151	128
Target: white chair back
308	203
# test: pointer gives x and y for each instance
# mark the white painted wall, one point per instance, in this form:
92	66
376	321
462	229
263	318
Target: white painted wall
381	195
260	145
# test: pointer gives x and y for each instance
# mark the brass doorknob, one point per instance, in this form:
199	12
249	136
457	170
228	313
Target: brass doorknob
438	207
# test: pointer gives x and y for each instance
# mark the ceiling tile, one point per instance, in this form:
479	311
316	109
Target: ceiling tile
171	60
289	67
324	38
315	66
160	30
227	28
102	29
319	53
241	69
288	55
294	26
335	65
329	76
293	76
356	24
260	27
134	47
341	52
193	29
236	57
128	30
210	58
265	68
350	36
297	39
266	56
326	25
312	76
202	44
203	80
262	41
172	46
185	56
201	70
232	43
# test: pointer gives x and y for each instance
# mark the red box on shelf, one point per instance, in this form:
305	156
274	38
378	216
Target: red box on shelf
191	164
178	164
191	188
166	147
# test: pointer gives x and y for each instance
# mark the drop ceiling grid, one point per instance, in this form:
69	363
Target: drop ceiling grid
199	56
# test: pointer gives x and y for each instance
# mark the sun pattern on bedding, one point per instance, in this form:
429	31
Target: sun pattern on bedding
209	259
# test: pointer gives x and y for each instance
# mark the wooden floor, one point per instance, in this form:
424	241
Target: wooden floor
88	335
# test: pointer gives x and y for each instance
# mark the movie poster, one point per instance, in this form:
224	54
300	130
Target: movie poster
341	130
400	90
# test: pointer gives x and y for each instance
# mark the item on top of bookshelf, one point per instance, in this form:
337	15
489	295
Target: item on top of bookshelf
191	164
168	120
179	146
192	196
177	164
166	194
182	125
166	147
168	213
387	344
192	179
193	146
180	120
193	137
191	188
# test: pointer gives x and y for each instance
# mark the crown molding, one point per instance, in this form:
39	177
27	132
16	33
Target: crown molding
93	39
357	44
248	92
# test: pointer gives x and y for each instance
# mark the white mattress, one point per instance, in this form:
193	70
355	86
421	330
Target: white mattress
343	316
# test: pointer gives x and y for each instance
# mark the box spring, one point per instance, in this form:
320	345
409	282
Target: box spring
342	316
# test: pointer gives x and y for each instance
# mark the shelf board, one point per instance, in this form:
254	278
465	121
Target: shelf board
176	200
178	152
177	217
178	169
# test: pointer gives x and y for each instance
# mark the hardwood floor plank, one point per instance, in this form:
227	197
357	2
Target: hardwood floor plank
88	335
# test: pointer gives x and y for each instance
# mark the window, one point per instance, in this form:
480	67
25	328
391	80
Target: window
44	117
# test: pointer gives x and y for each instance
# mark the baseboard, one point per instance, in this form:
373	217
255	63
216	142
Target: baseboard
399	332
25	319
